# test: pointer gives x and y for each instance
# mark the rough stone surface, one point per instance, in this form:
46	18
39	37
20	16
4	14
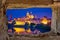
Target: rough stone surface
34	2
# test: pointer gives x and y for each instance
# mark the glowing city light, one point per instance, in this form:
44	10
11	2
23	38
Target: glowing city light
19	30
44	21
19	23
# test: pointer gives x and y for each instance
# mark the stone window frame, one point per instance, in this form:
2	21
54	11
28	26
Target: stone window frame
54	13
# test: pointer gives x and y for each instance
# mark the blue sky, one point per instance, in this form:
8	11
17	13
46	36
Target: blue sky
39	12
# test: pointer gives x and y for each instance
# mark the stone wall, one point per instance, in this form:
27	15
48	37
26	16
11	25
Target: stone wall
58	18
34	2
0	8
57	0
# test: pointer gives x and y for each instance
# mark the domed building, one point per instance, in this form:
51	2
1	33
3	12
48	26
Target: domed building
29	15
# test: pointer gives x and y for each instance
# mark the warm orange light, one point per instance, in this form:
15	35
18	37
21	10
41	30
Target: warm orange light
19	23
18	30
28	22
44	21
28	30
29	16
32	16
